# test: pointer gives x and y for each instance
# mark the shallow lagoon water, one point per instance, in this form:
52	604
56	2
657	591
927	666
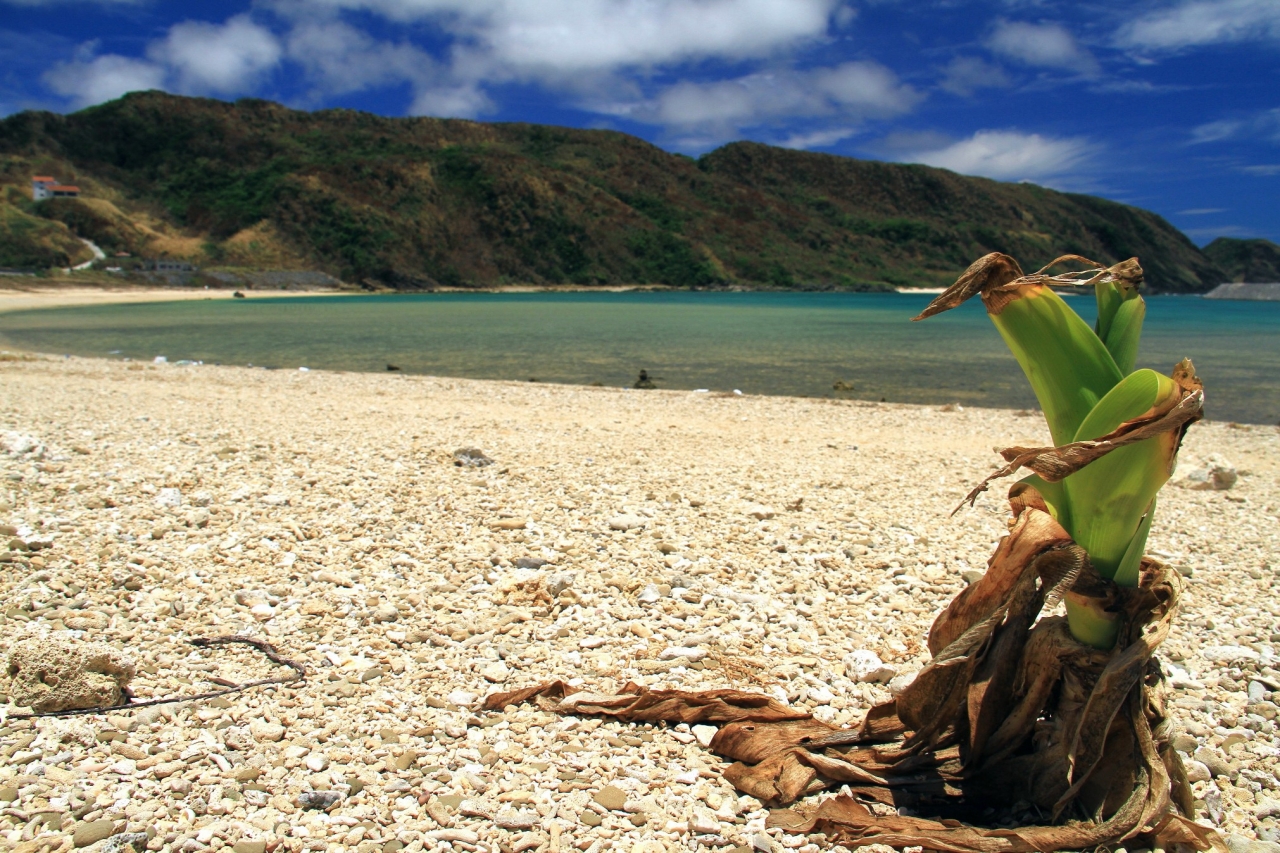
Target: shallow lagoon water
760	343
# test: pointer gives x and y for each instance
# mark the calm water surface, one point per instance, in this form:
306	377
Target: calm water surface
761	343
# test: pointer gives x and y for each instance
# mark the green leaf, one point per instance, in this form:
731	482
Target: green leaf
1068	366
1110	497
1123	327
1131	563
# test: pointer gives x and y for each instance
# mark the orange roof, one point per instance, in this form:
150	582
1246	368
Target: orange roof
44	179
59	187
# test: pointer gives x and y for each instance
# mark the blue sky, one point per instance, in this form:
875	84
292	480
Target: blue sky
1172	105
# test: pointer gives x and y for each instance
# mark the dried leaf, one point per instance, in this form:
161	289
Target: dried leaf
1154	607
752	743
996	276
989	271
1004	712
637	704
1033	533
1057	463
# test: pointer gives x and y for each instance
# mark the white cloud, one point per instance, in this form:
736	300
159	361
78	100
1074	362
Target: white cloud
1136	87
1202	22
1008	155
94	80
339	58
223	59
554	38
721	109
964	75
1042	45
194	58
1202	211
591	51
1204	235
1264	125
1265	170
818	138
451	102
1215	131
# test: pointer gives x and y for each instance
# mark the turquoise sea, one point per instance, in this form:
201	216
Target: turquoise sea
760	343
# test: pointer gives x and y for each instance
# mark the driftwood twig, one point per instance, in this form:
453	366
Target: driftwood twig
298	672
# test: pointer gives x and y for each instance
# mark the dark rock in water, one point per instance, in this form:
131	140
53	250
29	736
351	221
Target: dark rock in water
644	381
471	457
531	563
393	367
238	295
841	385
320	800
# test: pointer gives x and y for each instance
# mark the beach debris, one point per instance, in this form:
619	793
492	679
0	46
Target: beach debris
135	841
495	672
644	382
864	666
319	800
21	444
557	584
1214	474
471	457
393	367
237	295
59	679
523	588
50	675
169	498
639	704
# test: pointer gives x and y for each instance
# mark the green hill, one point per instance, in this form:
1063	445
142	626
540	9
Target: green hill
1245	260
420	202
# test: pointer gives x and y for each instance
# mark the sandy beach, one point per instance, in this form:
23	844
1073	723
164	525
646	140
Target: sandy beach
18	293
669	538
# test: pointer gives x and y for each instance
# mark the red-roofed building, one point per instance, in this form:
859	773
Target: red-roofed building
43	186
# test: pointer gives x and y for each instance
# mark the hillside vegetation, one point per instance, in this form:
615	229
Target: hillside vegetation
421	202
1245	260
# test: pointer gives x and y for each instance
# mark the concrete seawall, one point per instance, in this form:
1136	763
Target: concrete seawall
1266	292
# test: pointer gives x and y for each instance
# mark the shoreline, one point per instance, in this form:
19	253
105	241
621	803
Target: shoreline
56	295
15	295
18	299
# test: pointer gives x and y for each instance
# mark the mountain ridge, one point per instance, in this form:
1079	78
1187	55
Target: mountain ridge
1246	260
419	203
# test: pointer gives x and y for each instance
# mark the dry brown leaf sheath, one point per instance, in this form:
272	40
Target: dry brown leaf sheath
1011	709
1057	463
